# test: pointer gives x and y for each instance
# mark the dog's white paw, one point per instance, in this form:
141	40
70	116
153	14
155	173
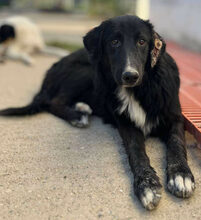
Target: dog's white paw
181	186
83	107
28	60
82	123
150	198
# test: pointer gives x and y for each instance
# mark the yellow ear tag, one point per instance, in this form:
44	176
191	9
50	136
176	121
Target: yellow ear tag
158	44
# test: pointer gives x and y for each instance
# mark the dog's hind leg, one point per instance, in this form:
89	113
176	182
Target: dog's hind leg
16	54
78	115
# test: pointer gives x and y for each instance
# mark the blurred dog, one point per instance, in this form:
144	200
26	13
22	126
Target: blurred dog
20	38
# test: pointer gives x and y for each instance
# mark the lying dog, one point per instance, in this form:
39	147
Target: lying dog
134	85
20	37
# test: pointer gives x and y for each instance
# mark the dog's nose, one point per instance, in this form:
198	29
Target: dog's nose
130	77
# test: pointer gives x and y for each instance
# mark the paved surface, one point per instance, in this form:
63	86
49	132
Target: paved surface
50	170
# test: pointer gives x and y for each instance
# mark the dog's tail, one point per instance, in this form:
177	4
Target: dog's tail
54	51
31	109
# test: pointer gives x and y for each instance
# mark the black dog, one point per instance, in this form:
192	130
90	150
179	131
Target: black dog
135	87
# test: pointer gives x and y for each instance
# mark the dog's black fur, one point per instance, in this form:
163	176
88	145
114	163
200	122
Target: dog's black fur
6	32
130	65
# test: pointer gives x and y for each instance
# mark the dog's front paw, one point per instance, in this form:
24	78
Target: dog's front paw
148	190
181	185
150	197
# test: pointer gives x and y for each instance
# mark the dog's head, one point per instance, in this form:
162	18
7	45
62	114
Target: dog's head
7	32
127	45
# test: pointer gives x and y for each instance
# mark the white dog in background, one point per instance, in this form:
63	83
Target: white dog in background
20	38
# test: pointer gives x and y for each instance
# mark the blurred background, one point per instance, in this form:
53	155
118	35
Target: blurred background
64	22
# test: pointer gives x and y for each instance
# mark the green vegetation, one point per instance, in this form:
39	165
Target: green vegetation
106	8
68	46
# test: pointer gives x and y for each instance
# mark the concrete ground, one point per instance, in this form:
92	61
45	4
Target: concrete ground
50	170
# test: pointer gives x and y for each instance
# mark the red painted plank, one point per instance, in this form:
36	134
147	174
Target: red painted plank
189	64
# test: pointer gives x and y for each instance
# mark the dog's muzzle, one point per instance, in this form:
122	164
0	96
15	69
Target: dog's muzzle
129	79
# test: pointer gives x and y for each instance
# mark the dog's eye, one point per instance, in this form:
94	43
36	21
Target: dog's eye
141	42
115	43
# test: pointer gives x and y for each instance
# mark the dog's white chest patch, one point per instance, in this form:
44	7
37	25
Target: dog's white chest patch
134	110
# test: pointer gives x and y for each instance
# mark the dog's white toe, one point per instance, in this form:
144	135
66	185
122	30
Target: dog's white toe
83	107
180	186
150	198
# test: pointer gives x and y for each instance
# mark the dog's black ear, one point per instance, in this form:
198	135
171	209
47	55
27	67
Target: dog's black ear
92	42
158	48
6	32
94	45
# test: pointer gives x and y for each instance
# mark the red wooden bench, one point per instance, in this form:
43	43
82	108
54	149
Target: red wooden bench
190	92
